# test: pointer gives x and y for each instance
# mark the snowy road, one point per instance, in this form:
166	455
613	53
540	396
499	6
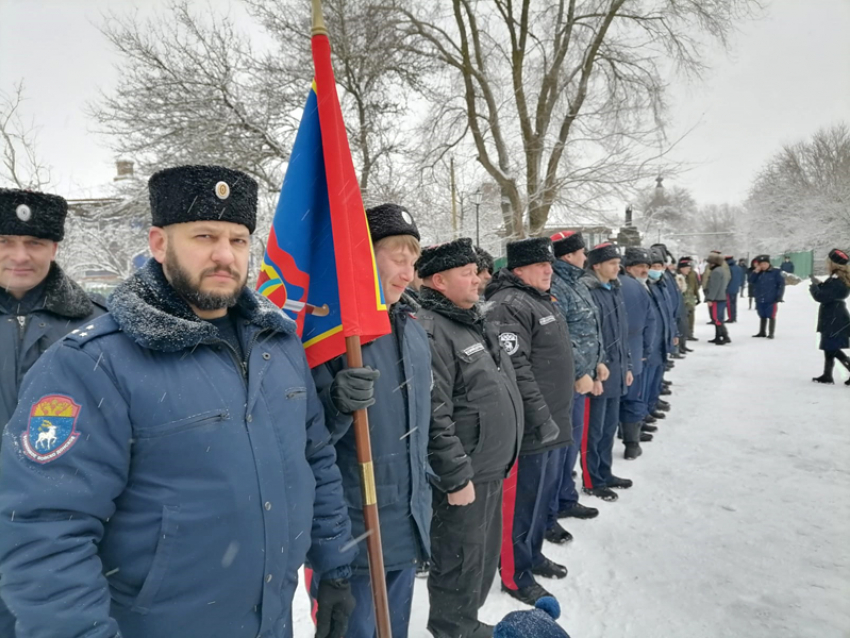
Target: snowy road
739	521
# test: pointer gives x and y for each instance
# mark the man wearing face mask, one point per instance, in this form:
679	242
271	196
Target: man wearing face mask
476	432
39	303
642	339
167	470
399	407
653	377
535	335
598	443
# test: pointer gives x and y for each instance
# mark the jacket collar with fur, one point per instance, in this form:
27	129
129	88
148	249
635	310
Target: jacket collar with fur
58	294
151	313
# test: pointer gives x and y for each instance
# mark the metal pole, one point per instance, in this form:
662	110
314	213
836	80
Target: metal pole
477	224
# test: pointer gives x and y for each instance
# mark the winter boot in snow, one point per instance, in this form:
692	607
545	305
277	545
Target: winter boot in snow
528	595
558	535
657	414
579	511
601	492
549	569
762	328
646	427
666	391
772	329
662	405
631	437
645	437
724	332
619	483
650	419
828	365
717	339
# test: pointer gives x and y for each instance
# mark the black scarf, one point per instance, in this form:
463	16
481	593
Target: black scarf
431	299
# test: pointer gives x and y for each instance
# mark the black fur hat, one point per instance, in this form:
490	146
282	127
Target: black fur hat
839	257
485	260
534	250
635	256
760	259
203	193
566	242
34	214
603	252
657	256
686	262
386	220
442	257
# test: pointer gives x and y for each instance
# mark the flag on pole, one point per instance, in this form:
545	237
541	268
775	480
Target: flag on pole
319	265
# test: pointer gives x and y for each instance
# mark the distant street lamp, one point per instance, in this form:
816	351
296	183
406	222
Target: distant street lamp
476	199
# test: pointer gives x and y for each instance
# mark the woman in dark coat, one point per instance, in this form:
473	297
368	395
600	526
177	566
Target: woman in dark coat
833	318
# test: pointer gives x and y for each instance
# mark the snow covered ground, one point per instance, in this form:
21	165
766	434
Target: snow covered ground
739	521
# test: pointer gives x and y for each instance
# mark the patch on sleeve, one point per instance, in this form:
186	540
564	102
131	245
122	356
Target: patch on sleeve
471	350
548	319
52	428
509	342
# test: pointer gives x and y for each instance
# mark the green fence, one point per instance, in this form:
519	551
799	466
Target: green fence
804	262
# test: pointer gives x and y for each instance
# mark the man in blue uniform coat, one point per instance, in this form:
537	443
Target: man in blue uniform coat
168	470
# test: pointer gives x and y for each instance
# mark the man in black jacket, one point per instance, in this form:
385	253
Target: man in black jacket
475	435
534	333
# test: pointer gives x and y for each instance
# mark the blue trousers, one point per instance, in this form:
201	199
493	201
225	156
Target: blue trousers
7	622
633	406
651	379
525	508
361	624
767	310
598	441
566	494
732	307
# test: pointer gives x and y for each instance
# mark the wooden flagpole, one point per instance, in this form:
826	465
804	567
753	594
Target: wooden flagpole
364	456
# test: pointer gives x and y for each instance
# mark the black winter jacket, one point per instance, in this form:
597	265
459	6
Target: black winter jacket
535	334
833	318
476	409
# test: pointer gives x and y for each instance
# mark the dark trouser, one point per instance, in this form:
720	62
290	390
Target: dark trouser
718	312
567	494
633	406
525	508
651	379
361	624
465	545
732	307
767	310
7	622
598	441
692	318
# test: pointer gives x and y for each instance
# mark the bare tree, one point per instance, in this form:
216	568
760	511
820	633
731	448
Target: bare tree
801	198
560	96
21	166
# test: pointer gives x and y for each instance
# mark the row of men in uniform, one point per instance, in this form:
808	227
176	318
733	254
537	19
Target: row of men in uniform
167	467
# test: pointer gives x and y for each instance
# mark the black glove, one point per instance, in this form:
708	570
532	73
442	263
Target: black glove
354	389
699	301
335	604
548	432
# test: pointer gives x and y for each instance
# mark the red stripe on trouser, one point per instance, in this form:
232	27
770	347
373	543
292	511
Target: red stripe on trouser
588	482
508	565
714	314
775	309
308	583
728	307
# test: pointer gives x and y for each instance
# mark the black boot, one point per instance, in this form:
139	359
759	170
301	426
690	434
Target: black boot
662	405
549	569
772	329
601	492
557	534
528	595
717	338
646	427
631	437
645	437
657	414
650	419
724	332
579	511
828	365
620	483
762	328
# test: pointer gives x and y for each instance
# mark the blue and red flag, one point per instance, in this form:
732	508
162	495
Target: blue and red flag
319	265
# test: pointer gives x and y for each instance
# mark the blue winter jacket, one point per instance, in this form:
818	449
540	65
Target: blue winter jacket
398	423
768	286
661	345
573	299
671	304
615	333
155	483
642	321
738	277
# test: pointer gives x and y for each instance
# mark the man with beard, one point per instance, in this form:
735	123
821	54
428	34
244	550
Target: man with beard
168	470
476	431
399	405
597	446
535	335
39	303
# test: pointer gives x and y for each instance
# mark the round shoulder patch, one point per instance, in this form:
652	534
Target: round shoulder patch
509	342
222	190
23	212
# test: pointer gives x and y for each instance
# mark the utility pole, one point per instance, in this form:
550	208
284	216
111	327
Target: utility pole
454	198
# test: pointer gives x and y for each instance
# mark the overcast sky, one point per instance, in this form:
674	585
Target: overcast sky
787	75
